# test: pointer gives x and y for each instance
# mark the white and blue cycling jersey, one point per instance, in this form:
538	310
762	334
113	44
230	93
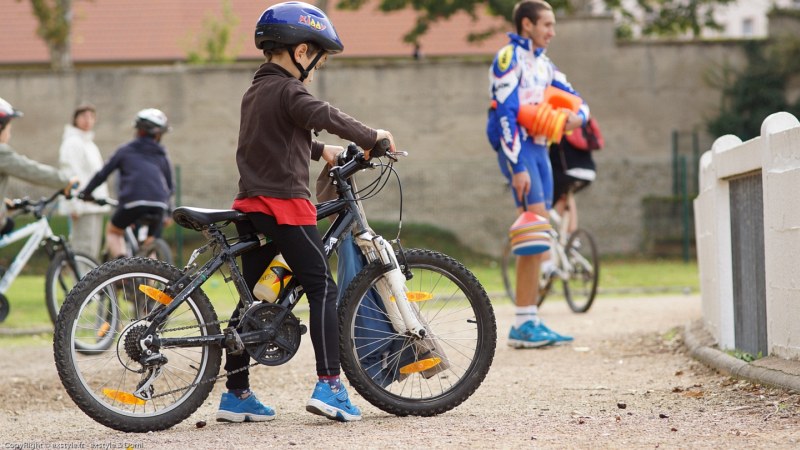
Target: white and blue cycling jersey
519	75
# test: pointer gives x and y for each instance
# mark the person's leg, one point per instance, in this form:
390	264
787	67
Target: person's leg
302	248
239	404
115	233
87	234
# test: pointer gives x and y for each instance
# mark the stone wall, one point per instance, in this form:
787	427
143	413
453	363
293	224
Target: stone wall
639	92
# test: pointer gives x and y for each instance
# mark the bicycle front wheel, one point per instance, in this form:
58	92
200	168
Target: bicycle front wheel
421	377
113	386
62	276
158	249
580	288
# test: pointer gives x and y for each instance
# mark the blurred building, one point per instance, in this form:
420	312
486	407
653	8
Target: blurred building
741	19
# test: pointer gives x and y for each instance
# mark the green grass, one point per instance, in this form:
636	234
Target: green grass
618	276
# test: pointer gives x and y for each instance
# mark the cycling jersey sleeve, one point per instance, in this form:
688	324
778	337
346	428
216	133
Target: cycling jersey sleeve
505	77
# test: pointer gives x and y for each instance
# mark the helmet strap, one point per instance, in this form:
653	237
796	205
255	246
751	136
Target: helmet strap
304	72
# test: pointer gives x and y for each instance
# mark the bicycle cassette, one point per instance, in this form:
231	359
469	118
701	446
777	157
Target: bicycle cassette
281	340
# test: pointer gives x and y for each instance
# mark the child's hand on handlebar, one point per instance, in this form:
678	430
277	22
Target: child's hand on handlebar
330	154
377	149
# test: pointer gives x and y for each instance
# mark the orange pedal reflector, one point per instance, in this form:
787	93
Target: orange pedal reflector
420	366
155	294
103	329
123	397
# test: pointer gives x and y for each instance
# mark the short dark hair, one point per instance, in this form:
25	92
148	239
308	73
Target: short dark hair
530	9
82	108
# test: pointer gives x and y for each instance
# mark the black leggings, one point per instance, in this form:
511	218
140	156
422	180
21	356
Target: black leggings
301	246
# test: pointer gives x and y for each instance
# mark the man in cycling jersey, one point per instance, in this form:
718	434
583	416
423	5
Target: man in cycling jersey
519	75
12	164
145	185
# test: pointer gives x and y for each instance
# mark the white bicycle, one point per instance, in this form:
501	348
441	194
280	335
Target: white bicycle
66	266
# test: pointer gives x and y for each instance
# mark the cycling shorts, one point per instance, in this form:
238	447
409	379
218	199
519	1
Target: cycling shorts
152	216
537	162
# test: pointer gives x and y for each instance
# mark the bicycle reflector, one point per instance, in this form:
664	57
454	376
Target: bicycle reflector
420	366
530	234
416	296
123	397
155	294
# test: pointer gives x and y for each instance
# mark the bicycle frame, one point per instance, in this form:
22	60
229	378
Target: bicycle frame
350	215
39	232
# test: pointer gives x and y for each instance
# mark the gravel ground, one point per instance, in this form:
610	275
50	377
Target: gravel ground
626	382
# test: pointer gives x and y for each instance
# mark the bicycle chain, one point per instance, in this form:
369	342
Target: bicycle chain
208	380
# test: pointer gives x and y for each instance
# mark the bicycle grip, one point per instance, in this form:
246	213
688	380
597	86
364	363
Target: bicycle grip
380	148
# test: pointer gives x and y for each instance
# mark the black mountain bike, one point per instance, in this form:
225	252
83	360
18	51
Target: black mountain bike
417	329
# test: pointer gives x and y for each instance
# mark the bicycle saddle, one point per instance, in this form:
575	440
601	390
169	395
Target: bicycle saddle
200	218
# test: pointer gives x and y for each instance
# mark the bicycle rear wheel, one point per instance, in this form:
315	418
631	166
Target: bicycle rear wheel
508	268
404	376
580	288
62	277
104	383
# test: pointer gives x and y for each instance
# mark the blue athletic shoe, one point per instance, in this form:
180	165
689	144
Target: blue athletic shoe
555	337
234	409
333	405
529	335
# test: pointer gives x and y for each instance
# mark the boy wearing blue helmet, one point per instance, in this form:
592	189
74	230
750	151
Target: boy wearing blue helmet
273	156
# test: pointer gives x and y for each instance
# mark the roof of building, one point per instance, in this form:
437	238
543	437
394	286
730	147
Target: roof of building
123	31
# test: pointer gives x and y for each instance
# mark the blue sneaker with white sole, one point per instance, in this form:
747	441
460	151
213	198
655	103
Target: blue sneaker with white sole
333	405
529	335
234	409
555	337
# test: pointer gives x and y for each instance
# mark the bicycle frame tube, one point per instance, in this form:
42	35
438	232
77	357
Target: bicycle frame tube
38	232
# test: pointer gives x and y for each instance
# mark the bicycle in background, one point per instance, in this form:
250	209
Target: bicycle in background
137	242
577	265
66	266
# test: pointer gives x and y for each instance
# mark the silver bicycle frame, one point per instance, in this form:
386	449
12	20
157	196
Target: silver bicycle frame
38	231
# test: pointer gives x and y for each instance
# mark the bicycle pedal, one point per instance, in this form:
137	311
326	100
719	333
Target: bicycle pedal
233	342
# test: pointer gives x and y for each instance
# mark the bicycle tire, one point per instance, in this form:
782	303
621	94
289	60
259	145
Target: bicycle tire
580	288
450	295
157	249
61	278
508	271
101	384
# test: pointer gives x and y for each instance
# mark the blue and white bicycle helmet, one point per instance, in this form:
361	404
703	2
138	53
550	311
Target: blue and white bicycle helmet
292	23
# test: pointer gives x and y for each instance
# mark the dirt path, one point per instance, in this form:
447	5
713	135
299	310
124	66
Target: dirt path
626	382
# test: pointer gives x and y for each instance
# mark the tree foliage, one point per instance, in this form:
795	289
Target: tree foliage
55	28
212	44
667	17
760	89
660	18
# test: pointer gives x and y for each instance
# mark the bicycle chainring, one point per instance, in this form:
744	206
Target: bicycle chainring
282	340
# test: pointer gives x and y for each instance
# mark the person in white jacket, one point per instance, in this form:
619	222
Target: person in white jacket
79	157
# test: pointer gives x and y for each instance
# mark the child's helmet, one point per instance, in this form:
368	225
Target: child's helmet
152	121
292	23
7	112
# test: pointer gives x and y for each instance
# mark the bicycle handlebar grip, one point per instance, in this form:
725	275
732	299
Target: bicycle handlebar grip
380	148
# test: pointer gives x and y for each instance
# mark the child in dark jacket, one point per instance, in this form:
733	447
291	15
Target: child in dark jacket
273	157
145	180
